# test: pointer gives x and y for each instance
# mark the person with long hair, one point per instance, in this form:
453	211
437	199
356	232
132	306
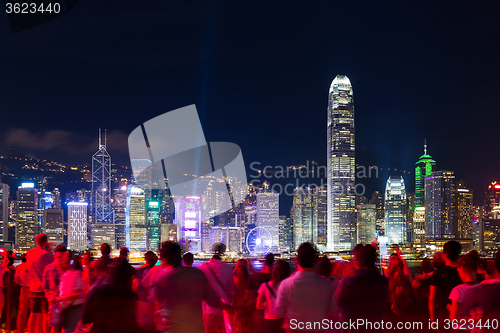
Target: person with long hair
467	267
267	297
400	291
240	278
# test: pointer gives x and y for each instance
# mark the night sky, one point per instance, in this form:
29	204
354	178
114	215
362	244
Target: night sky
259	74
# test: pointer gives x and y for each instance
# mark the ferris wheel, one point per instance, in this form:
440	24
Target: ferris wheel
259	241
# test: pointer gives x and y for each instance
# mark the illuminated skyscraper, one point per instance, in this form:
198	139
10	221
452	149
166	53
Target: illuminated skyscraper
77	225
320	216
341	230
27	223
268	213
136	229
491	221
304	229
424	168
153	225
286	233
103	215
119	204
465	211
188	219
440	206
53	225
492	202
366	222
395	210
4	211
419	228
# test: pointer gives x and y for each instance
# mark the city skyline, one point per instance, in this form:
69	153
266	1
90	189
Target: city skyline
416	82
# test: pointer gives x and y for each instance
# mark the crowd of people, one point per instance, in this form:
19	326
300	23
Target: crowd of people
54	291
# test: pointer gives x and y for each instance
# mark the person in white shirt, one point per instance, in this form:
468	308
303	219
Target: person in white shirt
467	267
305	299
220	278
267	296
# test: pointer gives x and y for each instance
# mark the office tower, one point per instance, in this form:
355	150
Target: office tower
268	214
320	216
492	201
46	200
478	228
102	214
409	217
419	228
168	232
167	206
27	223
440	206
119	204
491	220
56	199
135	216
366	221
341	231
229	236
77	225
286	233
424	168
188	219
53	225
395	210
378	200
4	211
465	211
153	225
304	229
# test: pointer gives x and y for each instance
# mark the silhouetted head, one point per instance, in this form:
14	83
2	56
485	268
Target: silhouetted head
188	259
60	248
151	258
77	263
281	270
124	252
23	257
269	260
170	253
241	269
426	266
469	262
105	249
120	274
324	267
364	255
41	239
452	250
307	255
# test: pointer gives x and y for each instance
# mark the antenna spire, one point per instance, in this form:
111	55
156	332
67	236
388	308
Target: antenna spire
105	137
425	146
99	138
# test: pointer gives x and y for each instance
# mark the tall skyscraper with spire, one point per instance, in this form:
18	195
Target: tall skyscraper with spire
341	229
102	229
425	166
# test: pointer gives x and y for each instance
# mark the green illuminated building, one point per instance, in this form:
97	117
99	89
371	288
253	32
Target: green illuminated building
425	167
153	225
